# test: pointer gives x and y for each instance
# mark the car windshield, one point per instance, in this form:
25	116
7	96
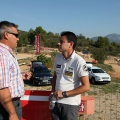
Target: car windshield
36	64
41	70
98	71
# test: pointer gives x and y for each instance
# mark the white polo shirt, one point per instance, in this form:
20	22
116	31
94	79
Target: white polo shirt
68	76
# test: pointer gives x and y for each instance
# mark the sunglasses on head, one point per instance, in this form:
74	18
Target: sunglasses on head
15	34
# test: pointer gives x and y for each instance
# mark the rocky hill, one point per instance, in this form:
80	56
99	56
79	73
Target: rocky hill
112	37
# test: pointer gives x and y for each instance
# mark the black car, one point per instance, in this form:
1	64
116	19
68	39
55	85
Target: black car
41	75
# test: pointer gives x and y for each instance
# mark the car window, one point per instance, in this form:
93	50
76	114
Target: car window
36	64
41	70
98	71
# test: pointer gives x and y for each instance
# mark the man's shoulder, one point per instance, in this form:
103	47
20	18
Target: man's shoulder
78	57
4	53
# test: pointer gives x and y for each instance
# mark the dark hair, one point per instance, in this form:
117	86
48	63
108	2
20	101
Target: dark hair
70	37
4	26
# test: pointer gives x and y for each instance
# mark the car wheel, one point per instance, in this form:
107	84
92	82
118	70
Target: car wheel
93	81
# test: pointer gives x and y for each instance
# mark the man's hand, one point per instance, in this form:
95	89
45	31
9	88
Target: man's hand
13	117
26	75
59	94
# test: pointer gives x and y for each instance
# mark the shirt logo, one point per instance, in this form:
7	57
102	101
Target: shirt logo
68	73
85	68
58	66
70	69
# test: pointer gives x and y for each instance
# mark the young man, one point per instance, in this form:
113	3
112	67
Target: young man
70	79
11	80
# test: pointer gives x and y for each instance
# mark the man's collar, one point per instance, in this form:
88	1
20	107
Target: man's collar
71	56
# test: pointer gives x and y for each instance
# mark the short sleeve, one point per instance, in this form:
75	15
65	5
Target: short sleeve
4	72
82	69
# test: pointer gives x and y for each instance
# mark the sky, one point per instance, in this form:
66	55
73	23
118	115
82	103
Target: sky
87	17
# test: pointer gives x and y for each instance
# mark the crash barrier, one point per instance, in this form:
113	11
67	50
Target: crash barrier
35	105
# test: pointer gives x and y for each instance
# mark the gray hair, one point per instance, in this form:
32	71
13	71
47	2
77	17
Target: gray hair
5	26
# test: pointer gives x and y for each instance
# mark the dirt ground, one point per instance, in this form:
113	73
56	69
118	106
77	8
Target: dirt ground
115	66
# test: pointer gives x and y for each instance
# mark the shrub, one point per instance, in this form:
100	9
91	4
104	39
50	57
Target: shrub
47	61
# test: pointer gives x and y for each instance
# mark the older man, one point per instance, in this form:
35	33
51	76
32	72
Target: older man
11	79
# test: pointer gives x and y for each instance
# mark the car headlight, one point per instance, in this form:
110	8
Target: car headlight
97	77
37	77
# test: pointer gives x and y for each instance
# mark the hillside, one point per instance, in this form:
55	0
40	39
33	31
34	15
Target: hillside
112	37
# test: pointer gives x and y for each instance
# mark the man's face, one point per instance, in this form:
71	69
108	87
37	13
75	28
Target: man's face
64	45
12	37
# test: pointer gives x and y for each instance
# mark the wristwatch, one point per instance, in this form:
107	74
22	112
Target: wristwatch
64	94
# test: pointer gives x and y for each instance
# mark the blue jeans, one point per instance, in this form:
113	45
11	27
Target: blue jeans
4	114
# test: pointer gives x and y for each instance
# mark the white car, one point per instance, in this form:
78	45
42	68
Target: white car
98	75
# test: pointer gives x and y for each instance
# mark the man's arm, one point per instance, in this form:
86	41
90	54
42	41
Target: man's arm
6	101
81	89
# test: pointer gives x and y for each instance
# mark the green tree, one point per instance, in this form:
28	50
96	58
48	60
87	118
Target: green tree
42	58
43	34
47	61
23	38
50	34
102	42
99	54
31	36
80	36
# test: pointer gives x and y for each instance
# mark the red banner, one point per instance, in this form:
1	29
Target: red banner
37	44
